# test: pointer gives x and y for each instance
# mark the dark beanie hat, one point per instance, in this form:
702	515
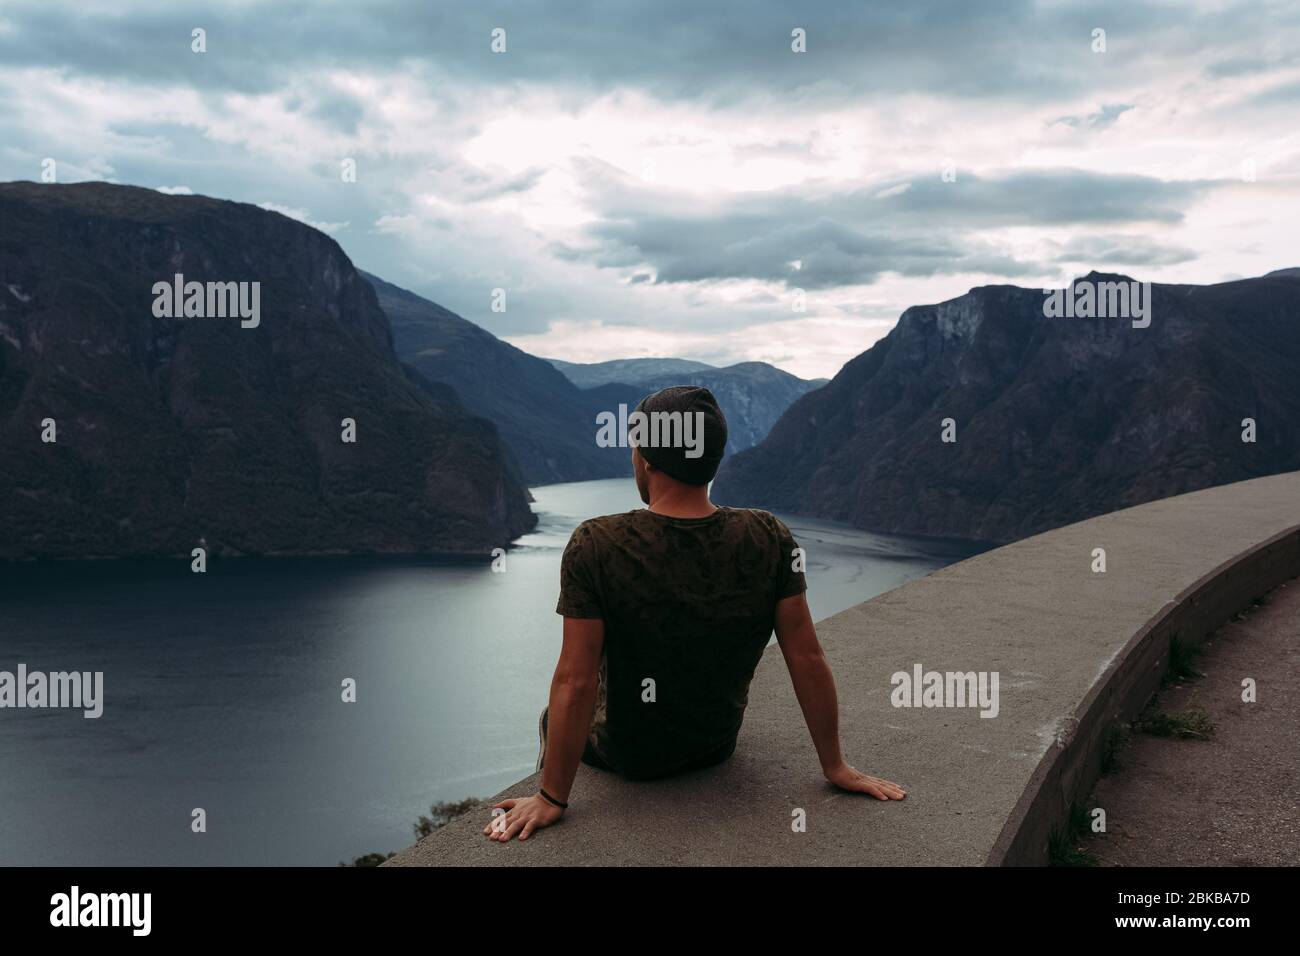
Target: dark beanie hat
673	460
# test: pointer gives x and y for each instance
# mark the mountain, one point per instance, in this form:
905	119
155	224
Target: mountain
1057	419
628	371
547	421
752	394
546	409
171	430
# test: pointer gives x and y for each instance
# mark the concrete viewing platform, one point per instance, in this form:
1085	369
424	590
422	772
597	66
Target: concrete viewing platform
1076	652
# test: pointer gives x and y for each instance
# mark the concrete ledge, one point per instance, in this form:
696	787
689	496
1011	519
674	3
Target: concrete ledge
1068	771
1076	652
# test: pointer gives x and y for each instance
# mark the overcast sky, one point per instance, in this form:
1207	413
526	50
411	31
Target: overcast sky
660	177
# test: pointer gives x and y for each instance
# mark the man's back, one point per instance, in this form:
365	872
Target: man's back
666	614
688	605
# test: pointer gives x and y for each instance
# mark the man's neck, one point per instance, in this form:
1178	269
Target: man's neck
679	503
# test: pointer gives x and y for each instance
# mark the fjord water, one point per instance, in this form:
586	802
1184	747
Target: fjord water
222	691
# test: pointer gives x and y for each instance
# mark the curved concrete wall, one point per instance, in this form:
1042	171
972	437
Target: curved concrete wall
1075	652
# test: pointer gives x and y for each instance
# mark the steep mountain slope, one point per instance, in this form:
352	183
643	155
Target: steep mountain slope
545	419
169	430
1056	419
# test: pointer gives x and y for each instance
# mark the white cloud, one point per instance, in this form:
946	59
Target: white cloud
396	224
302	216
472	183
893	191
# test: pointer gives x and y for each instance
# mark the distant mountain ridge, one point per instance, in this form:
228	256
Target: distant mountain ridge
1056	419
172	431
752	395
627	371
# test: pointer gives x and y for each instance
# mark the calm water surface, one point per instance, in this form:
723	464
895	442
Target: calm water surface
222	690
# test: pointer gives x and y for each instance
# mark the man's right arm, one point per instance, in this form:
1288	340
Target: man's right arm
814	686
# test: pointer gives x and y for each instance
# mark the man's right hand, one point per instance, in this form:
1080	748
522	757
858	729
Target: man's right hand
522	817
846	778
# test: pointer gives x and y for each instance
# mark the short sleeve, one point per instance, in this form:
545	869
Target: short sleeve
579	577
789	571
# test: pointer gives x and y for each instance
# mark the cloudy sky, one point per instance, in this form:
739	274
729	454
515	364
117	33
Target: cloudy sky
664	177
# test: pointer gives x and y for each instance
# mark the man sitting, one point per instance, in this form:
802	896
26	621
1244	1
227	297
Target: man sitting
667	611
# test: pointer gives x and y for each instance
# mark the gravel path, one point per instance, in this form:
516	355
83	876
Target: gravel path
1233	800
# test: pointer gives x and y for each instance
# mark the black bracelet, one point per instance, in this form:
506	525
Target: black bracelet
551	800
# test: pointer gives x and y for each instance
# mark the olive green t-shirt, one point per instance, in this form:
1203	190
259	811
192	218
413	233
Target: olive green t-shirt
688	606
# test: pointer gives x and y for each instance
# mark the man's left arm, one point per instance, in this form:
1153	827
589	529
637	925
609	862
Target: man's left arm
572	704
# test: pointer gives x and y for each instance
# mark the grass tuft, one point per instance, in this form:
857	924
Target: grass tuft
1064	846
1190	724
